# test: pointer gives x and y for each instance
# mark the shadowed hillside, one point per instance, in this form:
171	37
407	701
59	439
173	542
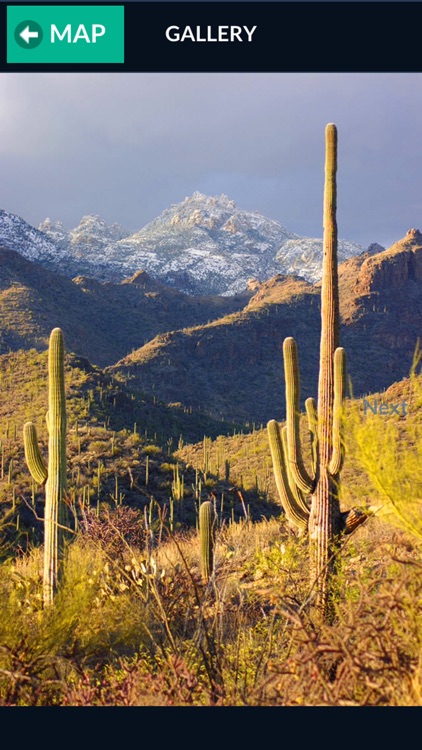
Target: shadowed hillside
102	321
234	367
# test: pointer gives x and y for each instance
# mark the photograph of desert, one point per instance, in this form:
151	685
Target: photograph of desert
211	390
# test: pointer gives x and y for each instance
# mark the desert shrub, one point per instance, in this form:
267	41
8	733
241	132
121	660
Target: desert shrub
370	657
115	530
389	453
132	683
151	450
98	612
137	627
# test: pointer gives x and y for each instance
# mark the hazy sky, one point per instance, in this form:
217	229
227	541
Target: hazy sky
126	146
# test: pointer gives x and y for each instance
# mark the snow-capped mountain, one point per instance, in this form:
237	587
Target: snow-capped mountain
89	240
203	245
17	234
206	245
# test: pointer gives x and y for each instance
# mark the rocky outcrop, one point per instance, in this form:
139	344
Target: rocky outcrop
373	249
394	267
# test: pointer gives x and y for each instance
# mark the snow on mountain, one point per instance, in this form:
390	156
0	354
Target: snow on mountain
205	245
16	234
91	237
202	245
303	257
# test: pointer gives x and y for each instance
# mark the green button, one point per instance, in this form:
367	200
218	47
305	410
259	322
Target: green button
65	34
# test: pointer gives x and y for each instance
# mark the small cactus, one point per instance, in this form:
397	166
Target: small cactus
206	536
54	478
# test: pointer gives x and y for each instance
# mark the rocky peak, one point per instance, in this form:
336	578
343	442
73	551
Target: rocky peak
395	267
54	230
253	285
94	226
215	201
92	232
87	283
145	282
373	249
91	221
141	278
198	210
414	234
49	225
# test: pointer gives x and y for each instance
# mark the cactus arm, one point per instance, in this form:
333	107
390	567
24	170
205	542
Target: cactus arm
206	538
33	456
296	492
337	457
291	374
311	412
296	514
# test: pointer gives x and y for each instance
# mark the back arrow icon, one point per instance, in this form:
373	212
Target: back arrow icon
26	34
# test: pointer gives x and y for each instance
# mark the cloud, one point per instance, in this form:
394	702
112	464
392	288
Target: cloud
127	145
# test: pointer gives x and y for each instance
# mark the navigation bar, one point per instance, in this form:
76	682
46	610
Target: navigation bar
212	37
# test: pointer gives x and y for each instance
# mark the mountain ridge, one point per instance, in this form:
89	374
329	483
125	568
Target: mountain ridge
203	245
234	366
101	320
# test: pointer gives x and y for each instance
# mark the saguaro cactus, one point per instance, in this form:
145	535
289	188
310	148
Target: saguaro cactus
321	517
206	538
55	514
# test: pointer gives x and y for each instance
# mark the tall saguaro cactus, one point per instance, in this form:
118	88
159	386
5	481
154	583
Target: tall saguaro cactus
54	478
321	517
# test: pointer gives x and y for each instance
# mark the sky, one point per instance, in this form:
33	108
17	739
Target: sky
127	146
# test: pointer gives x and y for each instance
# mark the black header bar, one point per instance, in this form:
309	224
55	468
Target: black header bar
257	37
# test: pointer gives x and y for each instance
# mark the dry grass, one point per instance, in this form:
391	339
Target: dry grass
136	626
133	623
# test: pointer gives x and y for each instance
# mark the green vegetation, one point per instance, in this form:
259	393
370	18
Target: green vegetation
133	622
134	628
187	580
390	455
